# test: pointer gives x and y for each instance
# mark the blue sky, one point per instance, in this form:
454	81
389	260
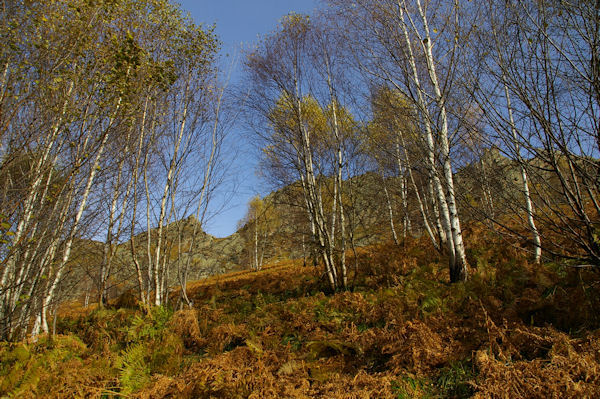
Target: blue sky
239	23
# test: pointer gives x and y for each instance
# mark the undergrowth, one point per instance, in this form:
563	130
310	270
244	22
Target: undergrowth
513	330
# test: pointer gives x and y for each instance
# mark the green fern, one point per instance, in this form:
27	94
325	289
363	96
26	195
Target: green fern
150	327
134	372
431	304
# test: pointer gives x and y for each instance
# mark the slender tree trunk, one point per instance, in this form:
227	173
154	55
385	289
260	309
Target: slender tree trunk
134	179
33	193
486	189
316	205
528	203
458	269
390	210
108	249
163	204
446	220
403	187
407	228
426	224
255	244
338	189
150	274
47	299
202	204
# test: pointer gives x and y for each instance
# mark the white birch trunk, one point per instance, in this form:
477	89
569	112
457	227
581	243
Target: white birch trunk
108	249
390	210
528	203
33	193
445	217
338	189
202	207
255	244
82	205
315	202
458	271
163	203
403	187
134	180
426	223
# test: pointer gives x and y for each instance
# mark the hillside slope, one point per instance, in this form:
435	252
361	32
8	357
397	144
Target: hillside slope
209	256
514	330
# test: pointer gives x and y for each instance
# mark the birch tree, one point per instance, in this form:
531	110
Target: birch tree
396	44
183	137
539	84
289	72
81	80
259	228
